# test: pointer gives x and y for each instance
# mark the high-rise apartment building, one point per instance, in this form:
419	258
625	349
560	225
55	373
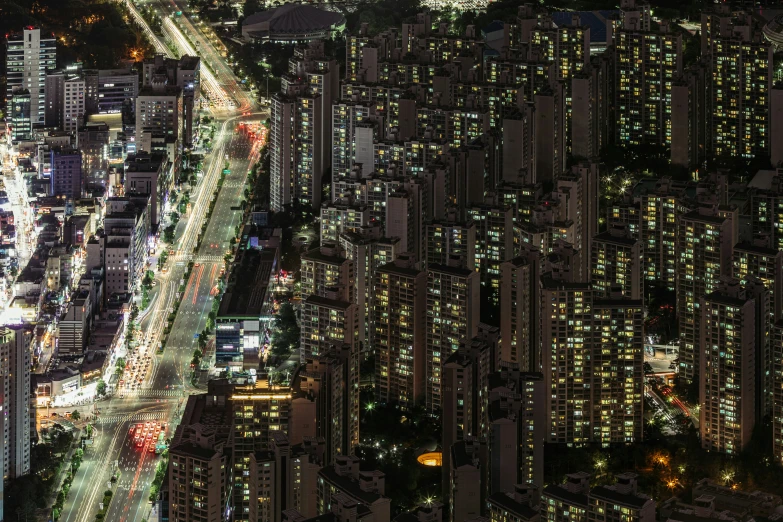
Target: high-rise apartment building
494	242
281	140
567	48
453	300
468	463
689	117
284	478
766	208
302	114
756	259
616	263
352	136
727	374
368	251
15	420
333	380
199	477
577	191
398	332
617	370
532	426
245	417
326	269
646	65
739	96
516	429
29	55
590	397
777	392
327	321
247	448
519	505
519	310
704	251
659	209
126	231
451	238
566	316
340	217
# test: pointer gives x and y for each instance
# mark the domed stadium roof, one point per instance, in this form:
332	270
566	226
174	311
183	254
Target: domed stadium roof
293	19
773	31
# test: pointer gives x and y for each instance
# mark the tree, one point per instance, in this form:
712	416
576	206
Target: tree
76	415
100	389
286	335
168	233
149	276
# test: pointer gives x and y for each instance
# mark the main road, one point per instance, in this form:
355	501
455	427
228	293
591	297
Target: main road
161	398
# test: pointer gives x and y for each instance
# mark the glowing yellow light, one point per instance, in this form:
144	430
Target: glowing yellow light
431	459
263	397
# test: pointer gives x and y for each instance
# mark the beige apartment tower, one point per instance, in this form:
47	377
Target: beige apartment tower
727	379
399	318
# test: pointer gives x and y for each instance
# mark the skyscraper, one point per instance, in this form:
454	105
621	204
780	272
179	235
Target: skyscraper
494	242
703	255
449	238
616	263
519	310
15	400
399	338
452	318
727	382
29	55
739	95
333	380
301	138
646	65
325	268
777	392
592	364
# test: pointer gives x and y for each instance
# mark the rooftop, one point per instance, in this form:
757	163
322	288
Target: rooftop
247	286
627	499
506	502
192	450
293	19
348	486
558	491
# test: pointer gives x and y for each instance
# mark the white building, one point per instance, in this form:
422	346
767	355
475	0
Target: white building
29	55
15	401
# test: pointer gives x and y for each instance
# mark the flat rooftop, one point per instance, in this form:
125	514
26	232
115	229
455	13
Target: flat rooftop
248	283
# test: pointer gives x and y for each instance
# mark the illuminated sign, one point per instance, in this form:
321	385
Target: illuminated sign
262	397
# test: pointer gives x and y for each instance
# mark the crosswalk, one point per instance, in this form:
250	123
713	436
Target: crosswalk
149	393
136	417
209	258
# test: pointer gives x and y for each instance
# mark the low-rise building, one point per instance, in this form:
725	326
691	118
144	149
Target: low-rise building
344	480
